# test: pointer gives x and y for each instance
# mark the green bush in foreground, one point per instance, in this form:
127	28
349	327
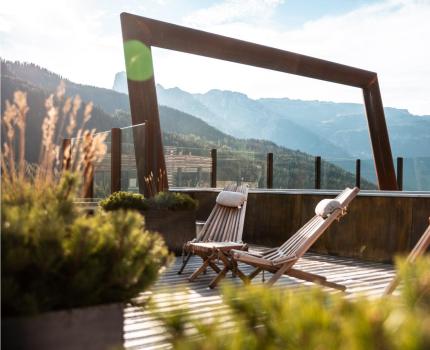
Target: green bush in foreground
55	257
270	318
135	201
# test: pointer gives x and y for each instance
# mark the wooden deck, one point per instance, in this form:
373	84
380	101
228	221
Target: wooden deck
143	331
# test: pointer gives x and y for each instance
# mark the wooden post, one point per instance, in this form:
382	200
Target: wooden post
89	190
115	164
65	159
269	170
213	172
317	172
357	173
179	177
142	94
400	173
384	165
140	34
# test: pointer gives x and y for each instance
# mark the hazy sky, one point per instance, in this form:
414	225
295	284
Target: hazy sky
81	40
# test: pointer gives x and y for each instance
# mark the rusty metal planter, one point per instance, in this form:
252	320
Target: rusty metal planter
97	328
177	227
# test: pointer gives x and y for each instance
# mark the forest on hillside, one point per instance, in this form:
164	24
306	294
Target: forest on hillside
238	159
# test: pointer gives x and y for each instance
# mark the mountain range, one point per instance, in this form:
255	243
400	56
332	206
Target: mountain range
182	129
329	129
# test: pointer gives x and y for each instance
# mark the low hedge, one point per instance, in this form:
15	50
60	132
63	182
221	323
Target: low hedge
161	201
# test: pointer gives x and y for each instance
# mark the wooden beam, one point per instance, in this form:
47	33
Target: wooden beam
173	37
379	137
150	161
145	33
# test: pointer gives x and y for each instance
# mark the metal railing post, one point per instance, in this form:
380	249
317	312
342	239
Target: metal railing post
400	173
214	170
358	173
317	172
269	168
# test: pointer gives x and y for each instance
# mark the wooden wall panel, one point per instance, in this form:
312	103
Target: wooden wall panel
376	228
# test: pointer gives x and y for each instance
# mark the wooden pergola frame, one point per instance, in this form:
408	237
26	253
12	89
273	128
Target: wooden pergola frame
143	98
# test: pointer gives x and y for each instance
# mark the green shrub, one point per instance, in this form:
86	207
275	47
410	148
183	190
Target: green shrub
173	201
269	318
124	200
162	200
54	257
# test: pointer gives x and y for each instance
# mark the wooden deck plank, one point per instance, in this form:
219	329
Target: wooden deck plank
143	331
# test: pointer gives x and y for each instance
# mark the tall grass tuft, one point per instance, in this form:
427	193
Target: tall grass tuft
61	119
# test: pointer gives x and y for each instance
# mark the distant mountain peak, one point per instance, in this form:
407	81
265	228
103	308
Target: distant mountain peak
120	83
323	128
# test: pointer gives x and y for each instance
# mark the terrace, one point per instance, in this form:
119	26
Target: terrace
143	331
357	252
386	219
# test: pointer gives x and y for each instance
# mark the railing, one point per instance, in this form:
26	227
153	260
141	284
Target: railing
117	170
199	167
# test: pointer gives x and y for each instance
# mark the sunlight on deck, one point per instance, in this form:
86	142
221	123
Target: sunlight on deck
143	331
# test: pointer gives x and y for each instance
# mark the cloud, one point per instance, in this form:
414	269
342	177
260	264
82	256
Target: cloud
230	11
390	38
82	41
69	38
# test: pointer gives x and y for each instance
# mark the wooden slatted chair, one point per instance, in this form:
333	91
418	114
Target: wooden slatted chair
419	249
224	226
281	260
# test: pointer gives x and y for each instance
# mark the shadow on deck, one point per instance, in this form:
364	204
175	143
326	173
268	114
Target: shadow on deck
143	331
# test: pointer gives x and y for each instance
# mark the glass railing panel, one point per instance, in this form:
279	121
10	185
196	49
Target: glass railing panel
192	167
416	174
369	180
102	179
337	173
293	171
241	168
187	166
129	180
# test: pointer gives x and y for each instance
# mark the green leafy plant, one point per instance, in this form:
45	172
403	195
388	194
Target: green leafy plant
270	318
162	200
124	200
54	257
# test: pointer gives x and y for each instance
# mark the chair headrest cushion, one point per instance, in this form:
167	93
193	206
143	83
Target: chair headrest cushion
327	206
231	199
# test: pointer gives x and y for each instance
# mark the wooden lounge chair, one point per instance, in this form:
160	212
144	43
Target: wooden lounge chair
224	226
419	249
281	260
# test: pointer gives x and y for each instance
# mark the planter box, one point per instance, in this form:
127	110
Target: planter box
176	227
96	328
